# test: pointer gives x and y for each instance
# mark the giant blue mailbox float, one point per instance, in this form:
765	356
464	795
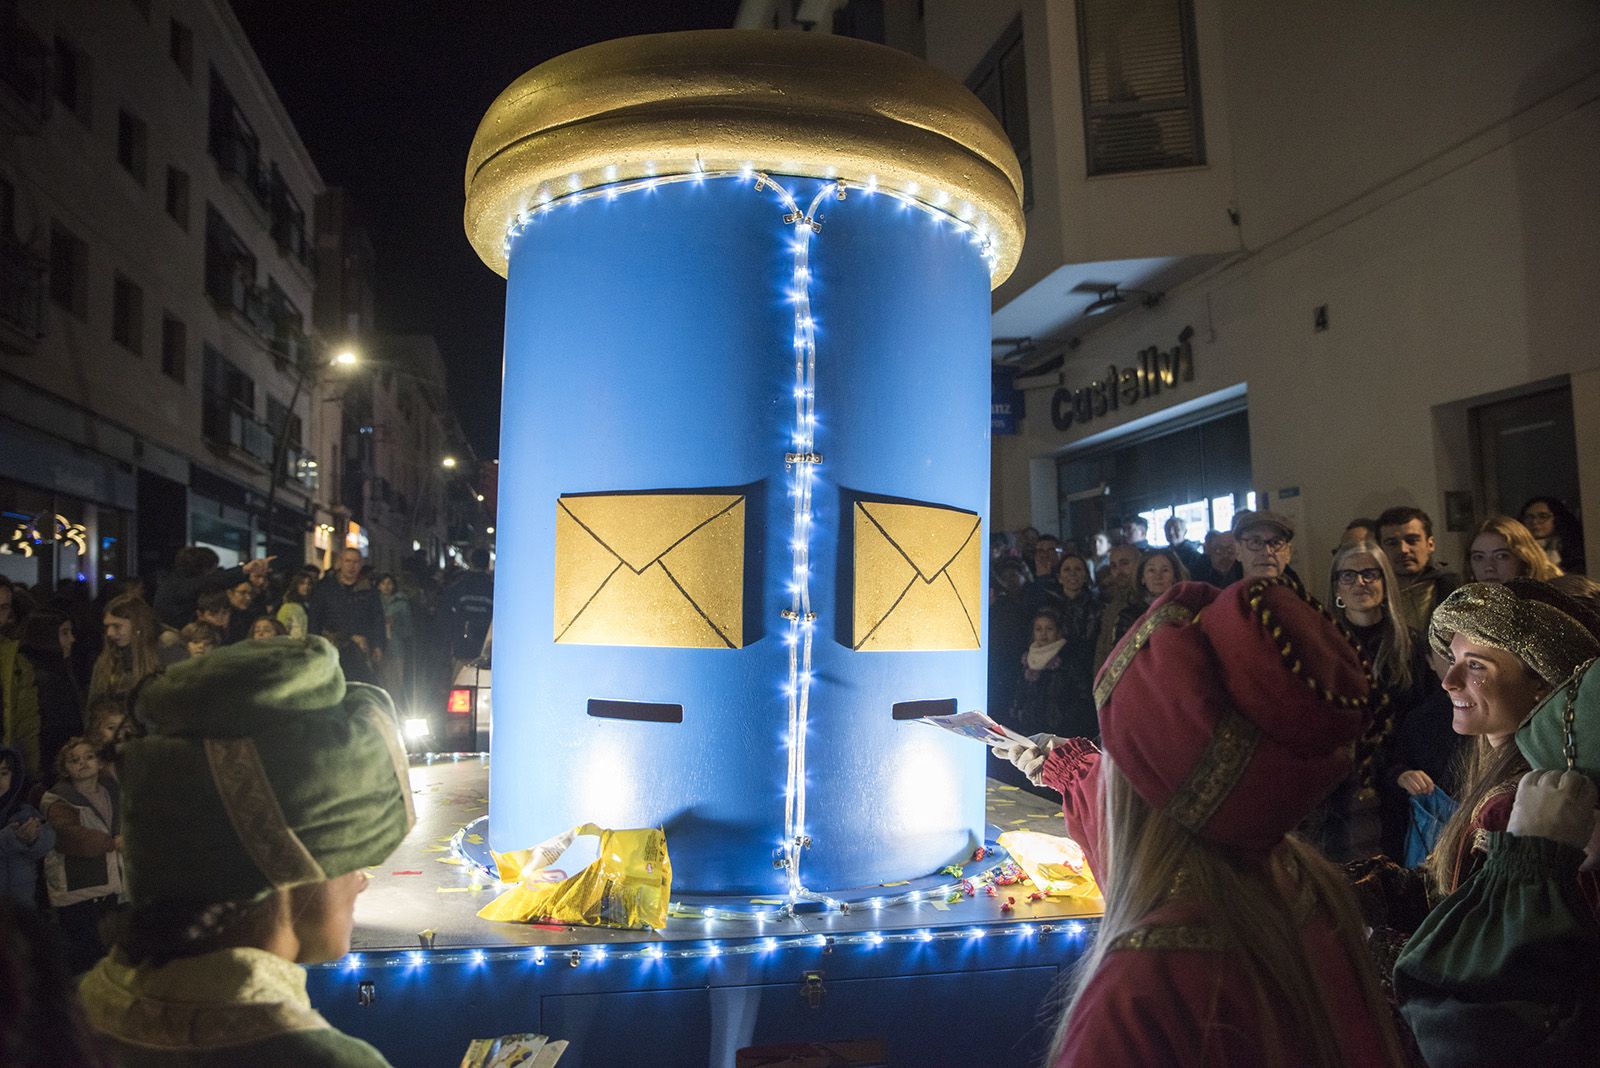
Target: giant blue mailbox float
745	453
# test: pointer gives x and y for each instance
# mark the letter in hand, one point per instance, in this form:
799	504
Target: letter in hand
1558	805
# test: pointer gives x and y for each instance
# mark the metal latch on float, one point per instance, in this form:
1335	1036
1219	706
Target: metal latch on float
811	989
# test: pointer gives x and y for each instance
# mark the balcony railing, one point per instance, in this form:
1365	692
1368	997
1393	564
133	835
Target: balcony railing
302	468
227	423
22	291
291	343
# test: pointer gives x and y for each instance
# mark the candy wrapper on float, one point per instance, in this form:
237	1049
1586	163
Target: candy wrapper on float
744	465
1055	864
628	885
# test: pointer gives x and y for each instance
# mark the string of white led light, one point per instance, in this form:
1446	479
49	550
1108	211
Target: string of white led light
654	951
802	460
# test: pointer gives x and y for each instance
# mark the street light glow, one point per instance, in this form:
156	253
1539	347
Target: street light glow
449	461
346	358
480	498
488	530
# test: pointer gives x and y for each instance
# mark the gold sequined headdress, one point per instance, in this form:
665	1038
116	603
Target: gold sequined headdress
1550	641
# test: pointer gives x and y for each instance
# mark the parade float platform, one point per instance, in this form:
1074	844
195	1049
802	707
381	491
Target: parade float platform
737	983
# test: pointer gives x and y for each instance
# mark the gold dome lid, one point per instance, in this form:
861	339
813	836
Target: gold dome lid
803	104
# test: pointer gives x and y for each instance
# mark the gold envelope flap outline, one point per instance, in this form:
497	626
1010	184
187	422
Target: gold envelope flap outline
918	578
660	569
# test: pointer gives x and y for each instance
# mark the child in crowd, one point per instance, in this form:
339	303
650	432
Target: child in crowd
267	627
109	726
24	836
200	638
84	870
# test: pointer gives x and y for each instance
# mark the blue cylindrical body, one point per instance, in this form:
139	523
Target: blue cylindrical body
650	351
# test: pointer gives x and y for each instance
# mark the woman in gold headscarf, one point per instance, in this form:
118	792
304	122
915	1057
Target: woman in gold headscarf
1508	646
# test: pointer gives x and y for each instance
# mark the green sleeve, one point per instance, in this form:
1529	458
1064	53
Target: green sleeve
1507	969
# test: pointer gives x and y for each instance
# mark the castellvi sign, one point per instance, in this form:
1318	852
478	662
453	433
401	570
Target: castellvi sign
1156	370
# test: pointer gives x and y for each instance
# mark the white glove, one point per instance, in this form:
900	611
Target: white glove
1558	805
1029	756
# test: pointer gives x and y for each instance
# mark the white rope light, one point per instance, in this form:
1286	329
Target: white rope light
704	950
801	461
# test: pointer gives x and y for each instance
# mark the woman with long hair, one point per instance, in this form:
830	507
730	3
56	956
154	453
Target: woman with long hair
1227	715
1502	550
132	651
1507	648
1506	970
1371	811
1558	532
292	612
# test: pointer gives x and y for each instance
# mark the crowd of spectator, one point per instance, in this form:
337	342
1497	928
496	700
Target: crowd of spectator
71	667
1057	608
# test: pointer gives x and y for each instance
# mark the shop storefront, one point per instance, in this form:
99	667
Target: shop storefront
1197	468
65	514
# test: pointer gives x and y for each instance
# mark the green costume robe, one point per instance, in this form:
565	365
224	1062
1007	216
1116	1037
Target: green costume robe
239	1008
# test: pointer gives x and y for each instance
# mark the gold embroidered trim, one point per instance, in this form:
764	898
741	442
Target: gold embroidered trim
1215	773
256	816
1131	643
121	1014
1172	936
383	721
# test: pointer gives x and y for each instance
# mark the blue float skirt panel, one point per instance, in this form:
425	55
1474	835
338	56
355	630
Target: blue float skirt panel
744	491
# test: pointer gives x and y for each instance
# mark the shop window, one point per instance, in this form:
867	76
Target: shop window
180	46
1001	82
133	138
69	271
178	196
1141	85
174	347
127	315
73	70
1196	468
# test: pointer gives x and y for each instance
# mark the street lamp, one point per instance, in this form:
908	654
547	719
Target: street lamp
448	461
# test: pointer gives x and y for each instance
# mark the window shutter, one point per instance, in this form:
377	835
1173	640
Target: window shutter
1141	87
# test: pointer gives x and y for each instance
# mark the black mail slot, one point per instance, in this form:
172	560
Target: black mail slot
919	709
641	711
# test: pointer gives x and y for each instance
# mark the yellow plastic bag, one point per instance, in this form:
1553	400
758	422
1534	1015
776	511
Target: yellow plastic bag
1055	864
626	886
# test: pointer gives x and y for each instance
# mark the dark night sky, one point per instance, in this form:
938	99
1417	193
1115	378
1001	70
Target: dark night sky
386	95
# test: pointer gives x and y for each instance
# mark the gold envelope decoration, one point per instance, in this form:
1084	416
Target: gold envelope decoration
664	569
917	578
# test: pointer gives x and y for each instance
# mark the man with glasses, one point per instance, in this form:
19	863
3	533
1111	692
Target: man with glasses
1264	541
1406	535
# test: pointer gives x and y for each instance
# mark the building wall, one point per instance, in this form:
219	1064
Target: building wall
1476	280
1425	172
69	171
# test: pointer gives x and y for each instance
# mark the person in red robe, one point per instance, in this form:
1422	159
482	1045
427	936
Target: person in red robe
1226	718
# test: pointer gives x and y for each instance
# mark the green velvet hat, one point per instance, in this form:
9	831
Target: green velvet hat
1564	730
261	769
